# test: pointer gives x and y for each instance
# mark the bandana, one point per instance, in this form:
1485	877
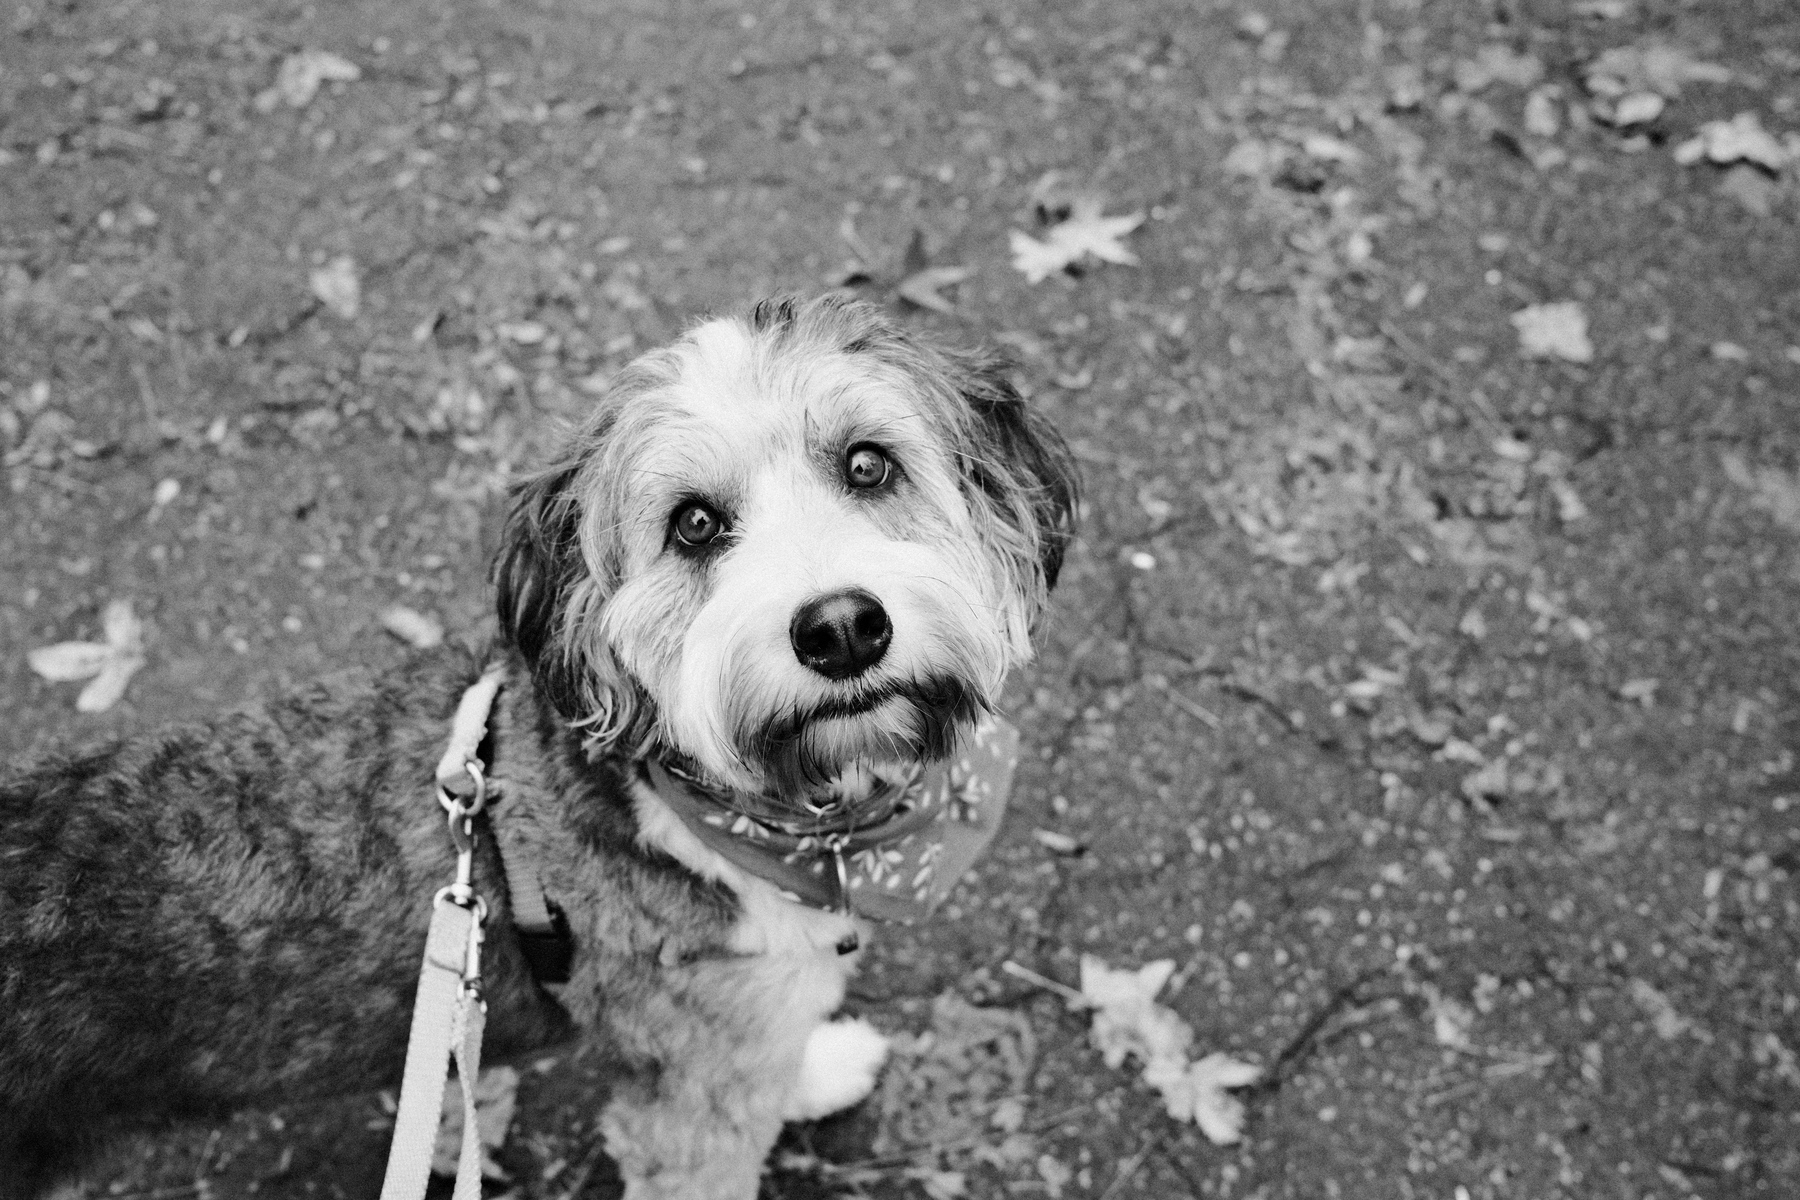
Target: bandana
894	861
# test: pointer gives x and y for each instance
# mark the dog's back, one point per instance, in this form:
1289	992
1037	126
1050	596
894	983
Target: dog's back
219	915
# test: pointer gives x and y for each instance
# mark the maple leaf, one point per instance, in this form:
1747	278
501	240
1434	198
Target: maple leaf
1202	1095
921	287
1086	231
1127	1019
110	664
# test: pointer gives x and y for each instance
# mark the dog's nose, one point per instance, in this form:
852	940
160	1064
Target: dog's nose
842	634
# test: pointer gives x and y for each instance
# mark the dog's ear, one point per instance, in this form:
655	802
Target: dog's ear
1018	468
548	600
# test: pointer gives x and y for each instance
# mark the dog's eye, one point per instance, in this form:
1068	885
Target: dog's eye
696	525
866	467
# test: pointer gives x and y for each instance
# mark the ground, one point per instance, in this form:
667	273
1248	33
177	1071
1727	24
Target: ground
1431	704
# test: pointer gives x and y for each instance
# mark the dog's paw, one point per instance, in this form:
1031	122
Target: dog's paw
837	1068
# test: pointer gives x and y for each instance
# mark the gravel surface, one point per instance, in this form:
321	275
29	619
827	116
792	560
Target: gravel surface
1429	703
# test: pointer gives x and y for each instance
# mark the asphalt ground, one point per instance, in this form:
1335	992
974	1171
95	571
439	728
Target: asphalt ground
1430	704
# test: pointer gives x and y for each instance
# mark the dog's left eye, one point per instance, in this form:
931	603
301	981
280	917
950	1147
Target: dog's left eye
866	467
696	525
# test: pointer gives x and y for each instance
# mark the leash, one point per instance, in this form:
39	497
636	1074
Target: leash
449	1013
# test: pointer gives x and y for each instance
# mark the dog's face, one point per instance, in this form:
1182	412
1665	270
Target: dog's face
788	548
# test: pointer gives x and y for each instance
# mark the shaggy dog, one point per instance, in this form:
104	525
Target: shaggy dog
781	570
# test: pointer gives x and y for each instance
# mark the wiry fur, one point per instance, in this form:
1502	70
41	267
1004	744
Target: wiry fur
232	914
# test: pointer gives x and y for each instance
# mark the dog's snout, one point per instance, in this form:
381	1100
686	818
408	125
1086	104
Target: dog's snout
842	634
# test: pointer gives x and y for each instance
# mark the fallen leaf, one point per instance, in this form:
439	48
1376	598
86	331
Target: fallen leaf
1329	149
1554	331
1255	158
496	1098
1202	1095
1085	232
1057	843
301	74
1771	489
1127	1020
1451	1022
1055	1174
922	287
412	627
338	287
1637	108
1542	119
110	664
1668	1023
1652	67
1741	139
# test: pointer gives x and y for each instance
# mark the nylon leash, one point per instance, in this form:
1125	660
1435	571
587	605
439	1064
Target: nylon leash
449	1013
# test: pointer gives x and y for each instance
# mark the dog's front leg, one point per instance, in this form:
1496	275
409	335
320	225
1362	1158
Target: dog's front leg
722	1042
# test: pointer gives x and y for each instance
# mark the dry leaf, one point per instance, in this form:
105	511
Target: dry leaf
921	287
1771	489
1202	1095
1554	331
1127	1019
110	664
1649	68
1637	108
1741	139
1542	118
338	287
1085	232
1668	1023
412	627
1057	843
300	76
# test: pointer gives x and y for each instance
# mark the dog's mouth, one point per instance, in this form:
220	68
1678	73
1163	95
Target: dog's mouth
808	753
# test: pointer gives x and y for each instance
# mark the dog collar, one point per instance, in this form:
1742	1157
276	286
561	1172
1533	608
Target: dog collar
898	867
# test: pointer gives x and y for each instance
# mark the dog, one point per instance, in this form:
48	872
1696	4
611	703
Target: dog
773	582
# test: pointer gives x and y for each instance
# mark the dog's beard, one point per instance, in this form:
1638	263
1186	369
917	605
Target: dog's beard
832	747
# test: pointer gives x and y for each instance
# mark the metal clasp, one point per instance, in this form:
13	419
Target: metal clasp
836	844
461	814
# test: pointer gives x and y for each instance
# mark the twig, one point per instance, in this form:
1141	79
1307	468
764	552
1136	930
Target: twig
1210	720
1129	1167
1068	993
1457	390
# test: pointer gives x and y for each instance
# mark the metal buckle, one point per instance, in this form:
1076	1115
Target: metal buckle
461	814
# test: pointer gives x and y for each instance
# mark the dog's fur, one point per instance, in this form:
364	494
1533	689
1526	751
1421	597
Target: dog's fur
232	914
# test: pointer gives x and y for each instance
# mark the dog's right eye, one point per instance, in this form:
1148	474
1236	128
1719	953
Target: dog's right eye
696	525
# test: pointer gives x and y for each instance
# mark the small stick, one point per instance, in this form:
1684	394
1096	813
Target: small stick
1184	704
1068	993
1128	1168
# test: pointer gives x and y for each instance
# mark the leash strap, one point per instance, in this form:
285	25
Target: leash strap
446	1014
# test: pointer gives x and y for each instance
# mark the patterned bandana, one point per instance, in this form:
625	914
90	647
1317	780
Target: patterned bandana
899	865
